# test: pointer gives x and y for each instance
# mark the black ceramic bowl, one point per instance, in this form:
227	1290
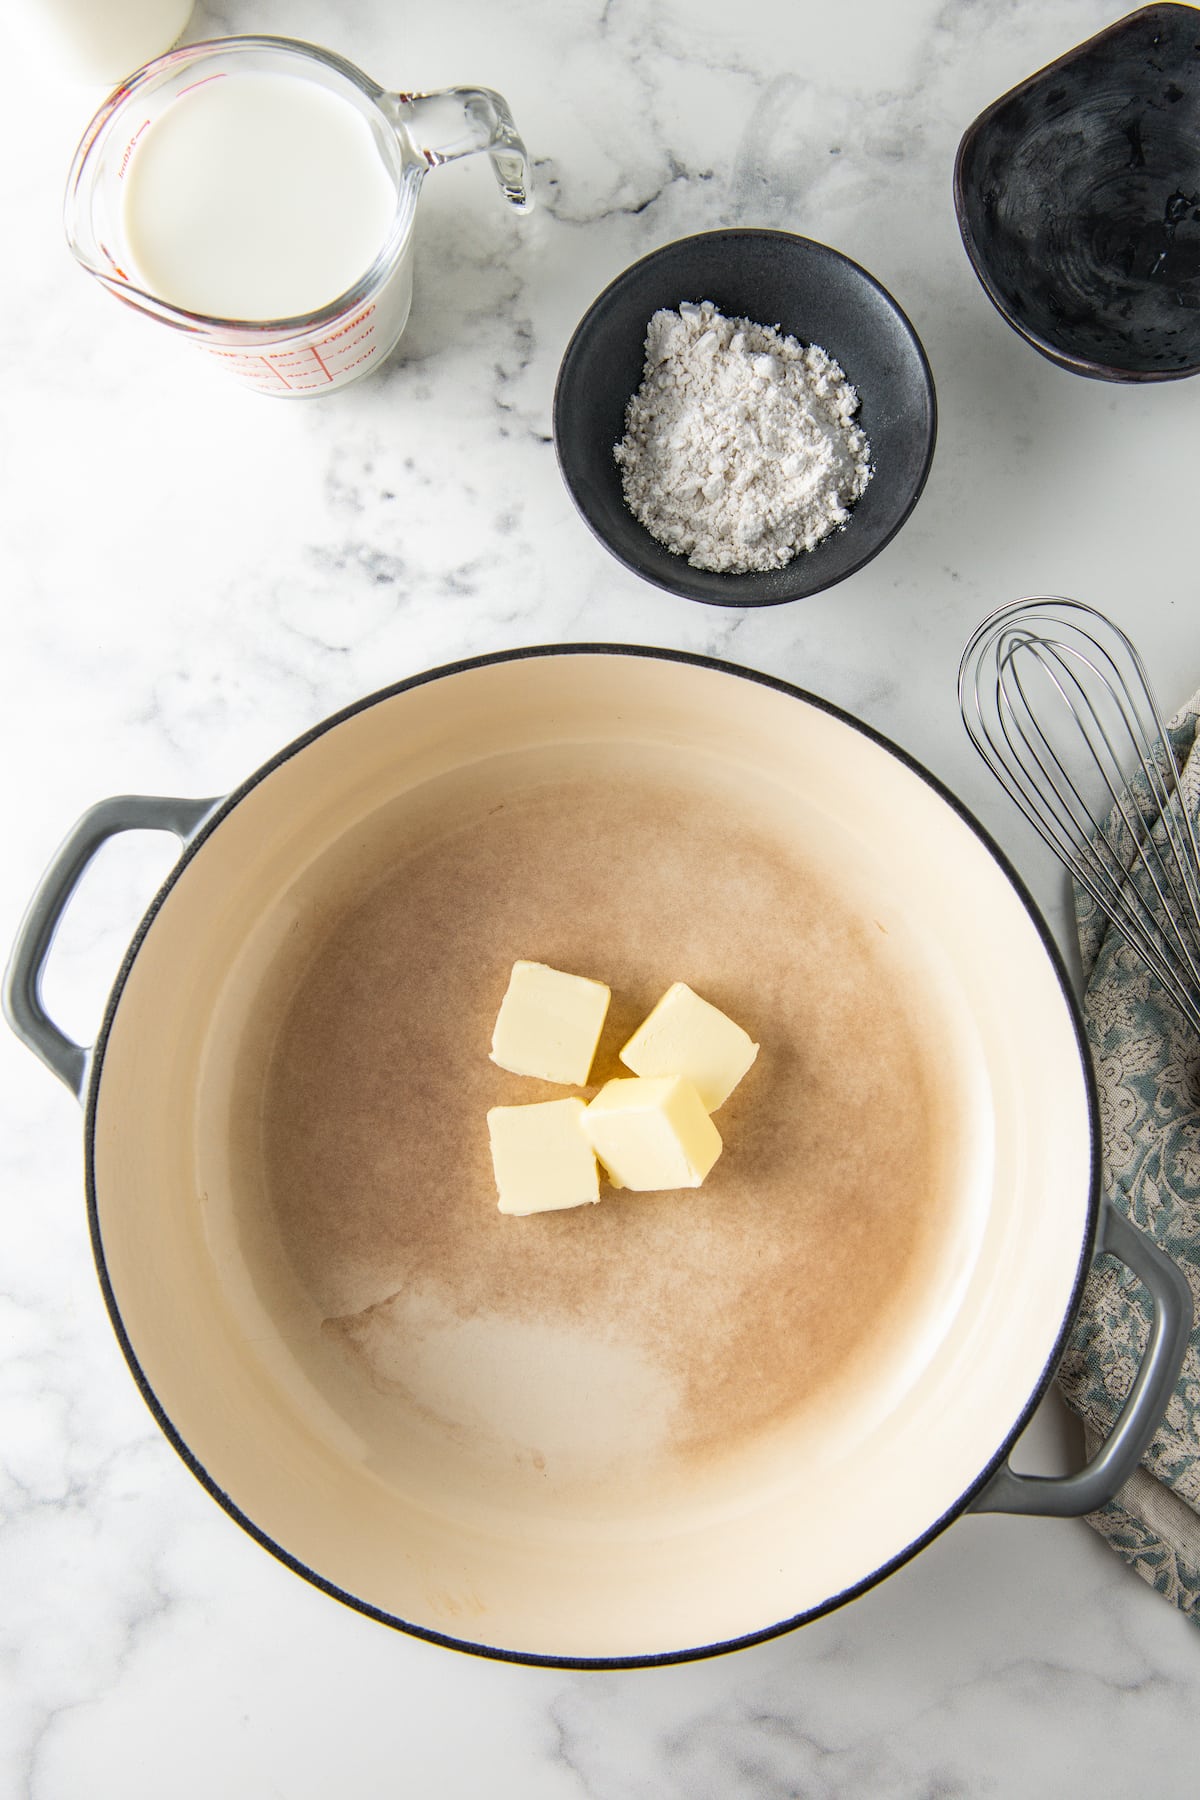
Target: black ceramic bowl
1078	199
772	278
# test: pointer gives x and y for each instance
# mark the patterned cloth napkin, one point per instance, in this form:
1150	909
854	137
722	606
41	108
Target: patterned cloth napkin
1147	1062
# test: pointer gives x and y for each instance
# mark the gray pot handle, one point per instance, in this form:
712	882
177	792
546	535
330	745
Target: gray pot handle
22	994
1068	1496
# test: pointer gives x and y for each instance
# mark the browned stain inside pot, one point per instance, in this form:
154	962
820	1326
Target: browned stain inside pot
813	1233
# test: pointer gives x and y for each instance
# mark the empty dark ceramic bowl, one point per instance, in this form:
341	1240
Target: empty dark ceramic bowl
772	278
1078	199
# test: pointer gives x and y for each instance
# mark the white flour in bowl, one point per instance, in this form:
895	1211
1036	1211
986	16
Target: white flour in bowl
740	446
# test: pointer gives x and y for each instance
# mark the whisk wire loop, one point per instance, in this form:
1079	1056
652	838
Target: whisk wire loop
1135	809
1106	875
1057	702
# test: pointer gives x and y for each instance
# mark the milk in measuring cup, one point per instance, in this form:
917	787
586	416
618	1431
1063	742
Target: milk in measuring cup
255	196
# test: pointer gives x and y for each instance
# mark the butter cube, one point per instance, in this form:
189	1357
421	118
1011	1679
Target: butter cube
541	1158
652	1134
549	1024
687	1036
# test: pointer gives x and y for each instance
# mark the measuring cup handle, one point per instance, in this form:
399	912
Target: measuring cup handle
459	121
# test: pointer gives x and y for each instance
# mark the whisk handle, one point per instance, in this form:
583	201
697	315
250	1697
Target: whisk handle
1068	1496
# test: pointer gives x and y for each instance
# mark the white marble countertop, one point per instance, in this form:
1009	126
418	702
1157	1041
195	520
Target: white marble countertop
191	575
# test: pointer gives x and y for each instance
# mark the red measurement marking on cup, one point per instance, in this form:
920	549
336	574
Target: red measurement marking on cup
296	367
111	260
203	81
306	368
365	357
350	325
129	148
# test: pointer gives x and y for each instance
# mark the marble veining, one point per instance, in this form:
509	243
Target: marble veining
191	576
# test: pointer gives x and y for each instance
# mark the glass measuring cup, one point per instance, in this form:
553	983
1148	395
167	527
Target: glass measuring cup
344	339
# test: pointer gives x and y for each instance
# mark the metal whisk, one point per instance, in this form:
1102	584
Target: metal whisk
1056	700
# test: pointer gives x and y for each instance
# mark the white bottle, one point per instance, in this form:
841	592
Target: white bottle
97	42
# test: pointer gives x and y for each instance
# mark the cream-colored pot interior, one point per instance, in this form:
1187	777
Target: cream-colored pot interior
672	1420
